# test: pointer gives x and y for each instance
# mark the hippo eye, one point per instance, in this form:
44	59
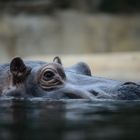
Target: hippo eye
48	75
51	76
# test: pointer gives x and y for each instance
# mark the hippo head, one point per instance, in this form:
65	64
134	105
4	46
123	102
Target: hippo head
25	81
52	81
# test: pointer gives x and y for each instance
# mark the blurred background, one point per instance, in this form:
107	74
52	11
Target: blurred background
103	33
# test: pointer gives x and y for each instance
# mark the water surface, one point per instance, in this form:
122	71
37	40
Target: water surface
39	119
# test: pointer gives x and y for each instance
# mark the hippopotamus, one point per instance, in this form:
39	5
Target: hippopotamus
51	80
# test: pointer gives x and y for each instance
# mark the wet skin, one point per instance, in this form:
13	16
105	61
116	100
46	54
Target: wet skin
52	81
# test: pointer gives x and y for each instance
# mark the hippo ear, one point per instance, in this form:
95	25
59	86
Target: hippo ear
57	60
17	67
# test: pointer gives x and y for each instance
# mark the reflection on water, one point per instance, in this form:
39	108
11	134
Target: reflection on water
69	120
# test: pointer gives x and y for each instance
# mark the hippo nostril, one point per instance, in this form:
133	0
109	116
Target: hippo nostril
130	83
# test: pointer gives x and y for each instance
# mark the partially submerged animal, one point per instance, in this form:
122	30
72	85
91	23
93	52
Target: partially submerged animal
52	81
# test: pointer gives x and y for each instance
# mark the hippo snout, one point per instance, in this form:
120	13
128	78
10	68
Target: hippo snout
129	91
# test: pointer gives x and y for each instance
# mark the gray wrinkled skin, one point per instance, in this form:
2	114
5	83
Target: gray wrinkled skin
78	83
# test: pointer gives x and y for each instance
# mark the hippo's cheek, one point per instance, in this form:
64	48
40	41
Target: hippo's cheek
7	90
14	92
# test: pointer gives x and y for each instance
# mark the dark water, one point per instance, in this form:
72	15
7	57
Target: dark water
69	120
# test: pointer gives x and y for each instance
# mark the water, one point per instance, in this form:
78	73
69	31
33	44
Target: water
39	119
